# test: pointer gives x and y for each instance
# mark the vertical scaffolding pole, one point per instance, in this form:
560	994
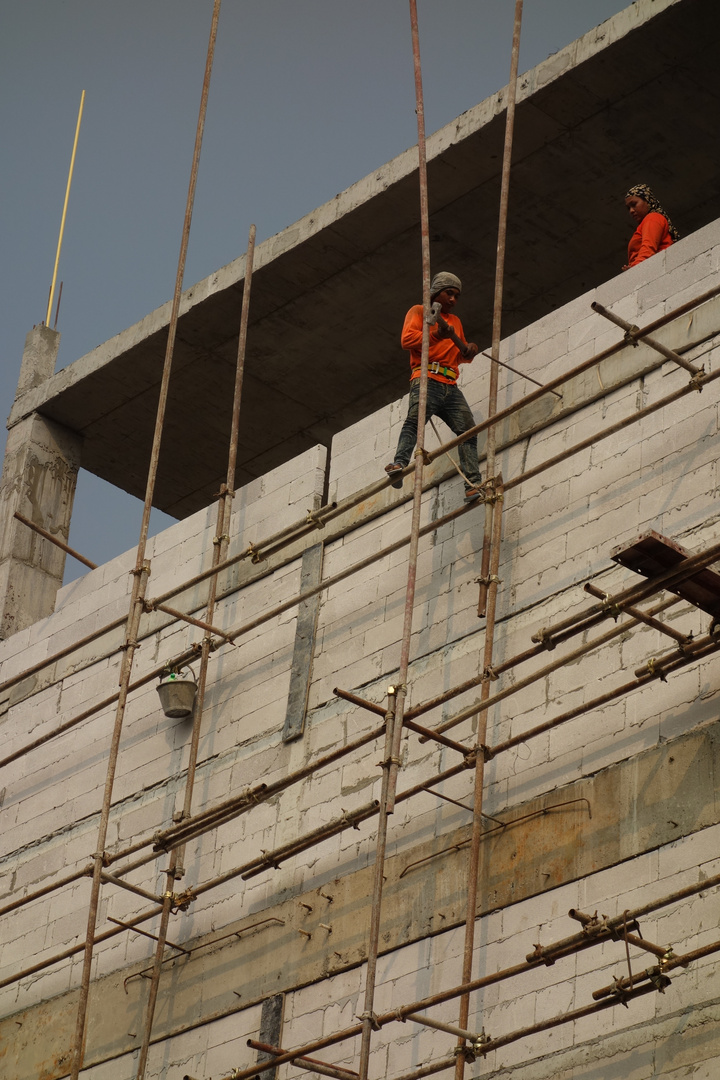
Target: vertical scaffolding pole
141	571
396	699
491	543
498	296
176	869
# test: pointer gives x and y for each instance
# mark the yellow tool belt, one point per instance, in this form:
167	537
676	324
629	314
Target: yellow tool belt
437	369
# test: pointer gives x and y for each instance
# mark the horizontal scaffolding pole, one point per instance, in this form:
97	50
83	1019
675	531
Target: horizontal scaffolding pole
54	540
633	334
310	1064
319	518
548	955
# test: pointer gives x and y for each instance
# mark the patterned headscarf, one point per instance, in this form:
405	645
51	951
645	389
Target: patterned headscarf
444	280
642	191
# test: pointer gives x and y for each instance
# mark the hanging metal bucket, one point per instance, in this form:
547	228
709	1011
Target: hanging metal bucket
177	694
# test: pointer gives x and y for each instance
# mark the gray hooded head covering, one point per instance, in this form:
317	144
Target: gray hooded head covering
444	280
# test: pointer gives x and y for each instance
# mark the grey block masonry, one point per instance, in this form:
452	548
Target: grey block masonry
633	781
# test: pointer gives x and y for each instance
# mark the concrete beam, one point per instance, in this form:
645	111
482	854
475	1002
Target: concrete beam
330	292
38	480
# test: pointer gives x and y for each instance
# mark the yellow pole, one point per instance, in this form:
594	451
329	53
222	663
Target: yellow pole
65	206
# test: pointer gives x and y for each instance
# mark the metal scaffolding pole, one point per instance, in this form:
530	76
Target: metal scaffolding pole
141	572
176	869
396	699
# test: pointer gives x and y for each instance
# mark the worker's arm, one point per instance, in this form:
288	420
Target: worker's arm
412	331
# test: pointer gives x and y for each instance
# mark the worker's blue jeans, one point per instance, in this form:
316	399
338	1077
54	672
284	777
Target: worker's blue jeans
448	402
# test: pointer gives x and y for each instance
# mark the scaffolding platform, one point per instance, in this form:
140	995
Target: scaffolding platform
652	554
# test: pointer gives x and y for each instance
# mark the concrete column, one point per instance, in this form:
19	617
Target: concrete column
38	480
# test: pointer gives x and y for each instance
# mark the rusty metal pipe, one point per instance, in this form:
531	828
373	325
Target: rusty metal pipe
573	944
133	622
633	334
473	864
575	654
54	540
224	509
260	793
141	567
111	879
490	444
311	1064
636	613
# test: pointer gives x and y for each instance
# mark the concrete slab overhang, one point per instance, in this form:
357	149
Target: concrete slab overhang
634	100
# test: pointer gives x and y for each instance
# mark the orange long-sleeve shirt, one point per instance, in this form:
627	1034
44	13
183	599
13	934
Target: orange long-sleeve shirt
652	235
442	351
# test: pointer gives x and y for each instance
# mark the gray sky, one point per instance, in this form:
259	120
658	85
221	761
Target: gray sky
307	97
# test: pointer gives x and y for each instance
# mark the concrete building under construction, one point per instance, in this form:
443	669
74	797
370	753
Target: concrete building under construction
431	787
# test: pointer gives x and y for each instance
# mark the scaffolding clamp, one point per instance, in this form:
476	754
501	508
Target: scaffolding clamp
255	555
630	336
219	539
544	637
491	579
619	992
696	381
182	901
481	1041
655	669
372	1017
313	518
490	674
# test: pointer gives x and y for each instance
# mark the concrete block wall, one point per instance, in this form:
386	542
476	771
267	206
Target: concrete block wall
559	529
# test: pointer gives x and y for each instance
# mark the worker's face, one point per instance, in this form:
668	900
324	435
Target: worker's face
638	207
447	300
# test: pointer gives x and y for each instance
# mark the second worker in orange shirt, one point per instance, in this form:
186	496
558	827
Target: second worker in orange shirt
445	399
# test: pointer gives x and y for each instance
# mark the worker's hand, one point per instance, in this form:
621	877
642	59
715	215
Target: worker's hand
626	267
471	350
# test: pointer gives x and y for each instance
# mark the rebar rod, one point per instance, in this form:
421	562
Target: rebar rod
348	820
141	567
224	510
633	334
54	540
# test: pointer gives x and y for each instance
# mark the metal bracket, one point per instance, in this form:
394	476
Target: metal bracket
313	519
372	1017
544	637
